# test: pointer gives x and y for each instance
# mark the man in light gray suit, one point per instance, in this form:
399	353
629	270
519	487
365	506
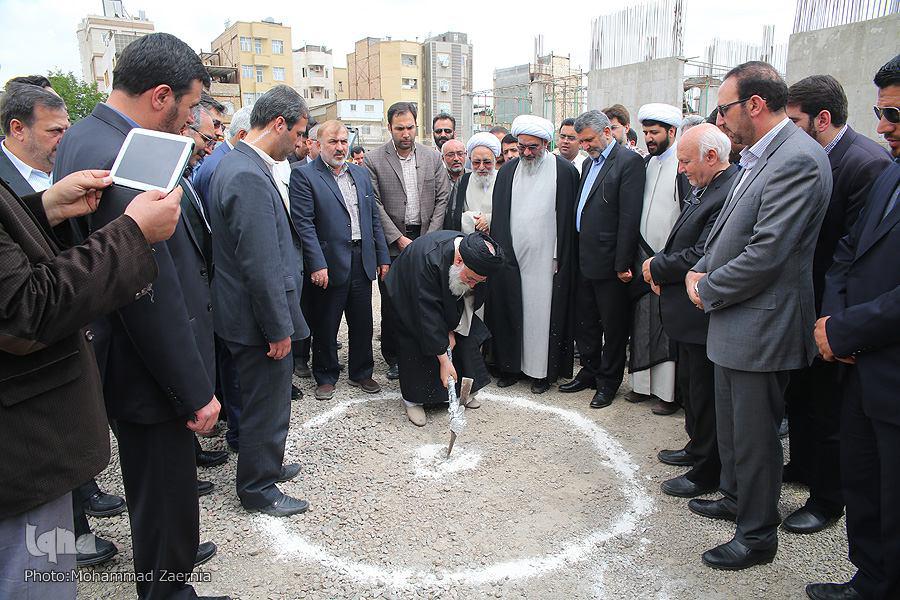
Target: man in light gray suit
412	190
755	282
256	292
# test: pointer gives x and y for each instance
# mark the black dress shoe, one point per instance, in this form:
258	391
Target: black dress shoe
283	507
601	399
634	397
302	371
212	458
832	591
96	550
676	458
539	386
288	472
101	504
507	380
576	385
713	509
393	372
683	487
734	556
205	551
296	392
204	487
808	520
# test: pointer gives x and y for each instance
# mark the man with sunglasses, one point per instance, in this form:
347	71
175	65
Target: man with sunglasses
443	128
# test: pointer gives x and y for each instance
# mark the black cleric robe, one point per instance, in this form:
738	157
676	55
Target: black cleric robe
418	294
503	307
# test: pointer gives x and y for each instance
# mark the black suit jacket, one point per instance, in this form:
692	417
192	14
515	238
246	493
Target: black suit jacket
856	161
198	226
610	221
682	320
456	204
11	176
862	299
156	354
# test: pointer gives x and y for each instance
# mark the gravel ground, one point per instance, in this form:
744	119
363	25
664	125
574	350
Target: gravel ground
543	497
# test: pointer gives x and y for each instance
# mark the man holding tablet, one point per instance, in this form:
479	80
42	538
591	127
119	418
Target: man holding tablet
156	354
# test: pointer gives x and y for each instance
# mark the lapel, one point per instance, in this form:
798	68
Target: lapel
689	209
112	118
875	227
328	178
607	165
191	201
838	152
420	173
13	178
394	161
37	232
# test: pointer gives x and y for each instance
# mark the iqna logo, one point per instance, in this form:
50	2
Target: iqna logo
51	543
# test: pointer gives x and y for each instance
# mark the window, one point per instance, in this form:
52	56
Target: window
257	44
444	85
246	45
408	60
366	129
277	47
278	73
340	86
443	60
247	72
326	94
259	74
409	83
352	107
249	98
326	72
370	108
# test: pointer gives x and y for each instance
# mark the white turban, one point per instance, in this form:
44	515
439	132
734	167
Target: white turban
532	125
483	138
664	113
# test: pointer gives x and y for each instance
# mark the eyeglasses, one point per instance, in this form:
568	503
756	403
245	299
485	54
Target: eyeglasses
568	138
482	163
459	154
532	147
723	107
210	141
890	113
447	131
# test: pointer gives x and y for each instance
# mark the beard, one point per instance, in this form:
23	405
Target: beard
660	147
484	181
170	121
457	287
531	165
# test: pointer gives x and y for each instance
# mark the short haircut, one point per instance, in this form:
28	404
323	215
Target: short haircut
567	123
712	138
817	93
441	116
38	80
21	99
889	74
280	101
498	129
757	78
399	108
631	136
158	59
210	103
593	119
619	113
240	121
509	139
691	121
357	150
327	126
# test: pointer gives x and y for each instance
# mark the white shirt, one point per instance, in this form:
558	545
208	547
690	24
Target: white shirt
411	186
277	169
751	155
37	179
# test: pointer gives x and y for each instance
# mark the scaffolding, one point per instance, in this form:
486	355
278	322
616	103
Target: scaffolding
820	14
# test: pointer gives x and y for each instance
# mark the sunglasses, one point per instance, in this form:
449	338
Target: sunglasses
447	131
890	113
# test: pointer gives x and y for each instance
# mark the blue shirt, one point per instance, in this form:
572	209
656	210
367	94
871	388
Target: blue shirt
131	121
596	165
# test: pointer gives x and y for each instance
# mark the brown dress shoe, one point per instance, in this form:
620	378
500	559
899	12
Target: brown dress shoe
663	408
325	392
369	385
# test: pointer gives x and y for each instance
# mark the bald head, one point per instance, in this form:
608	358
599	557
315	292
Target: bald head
702	153
454	154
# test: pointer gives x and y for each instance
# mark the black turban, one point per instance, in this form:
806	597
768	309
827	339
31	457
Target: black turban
477	256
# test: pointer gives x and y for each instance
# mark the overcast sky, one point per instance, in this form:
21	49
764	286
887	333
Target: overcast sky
39	35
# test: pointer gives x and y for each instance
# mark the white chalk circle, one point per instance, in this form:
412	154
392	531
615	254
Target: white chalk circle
638	504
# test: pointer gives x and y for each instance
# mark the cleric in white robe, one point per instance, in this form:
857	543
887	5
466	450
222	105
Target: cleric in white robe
652	364
530	306
470	208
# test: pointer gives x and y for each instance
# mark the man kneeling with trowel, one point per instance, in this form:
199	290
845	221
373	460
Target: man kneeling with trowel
433	289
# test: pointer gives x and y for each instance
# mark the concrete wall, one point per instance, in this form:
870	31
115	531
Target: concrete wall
852	54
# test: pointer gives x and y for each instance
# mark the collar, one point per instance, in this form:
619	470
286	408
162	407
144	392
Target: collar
345	167
753	153
410	156
605	154
836	139
130	121
229	144
24	169
271	162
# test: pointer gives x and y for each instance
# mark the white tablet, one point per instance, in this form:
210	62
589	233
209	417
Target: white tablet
151	160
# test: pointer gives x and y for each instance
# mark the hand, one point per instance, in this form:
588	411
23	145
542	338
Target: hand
75	195
690	282
383	271
447	369
156	214
625	276
320	278
654	288
205	418
452	337
645	271
821	336
481	223
403	241
278	350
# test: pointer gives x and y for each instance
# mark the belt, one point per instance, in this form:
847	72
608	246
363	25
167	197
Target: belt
356	242
413	231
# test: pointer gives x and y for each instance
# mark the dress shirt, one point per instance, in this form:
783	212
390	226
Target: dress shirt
37	179
411	186
199	204
131	121
348	190
836	139
751	155
274	169
596	165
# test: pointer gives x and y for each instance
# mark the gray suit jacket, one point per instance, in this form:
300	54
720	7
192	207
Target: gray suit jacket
759	290
387	179
256	250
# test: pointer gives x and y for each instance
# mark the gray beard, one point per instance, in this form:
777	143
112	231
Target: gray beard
457	287
530	167
484	181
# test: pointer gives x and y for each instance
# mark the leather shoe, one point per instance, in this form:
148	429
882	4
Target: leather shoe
783	429
204	487
368	385
393	372
211	458
539	386
416	414
832	591
633	397
676	458
283	507
302	371
205	551
683	487
296	392
91	550
325	392
101	504
807	520
506	380
663	408
288	472
712	509
734	556
601	399
576	385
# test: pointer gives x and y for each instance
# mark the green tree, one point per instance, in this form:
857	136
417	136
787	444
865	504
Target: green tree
80	97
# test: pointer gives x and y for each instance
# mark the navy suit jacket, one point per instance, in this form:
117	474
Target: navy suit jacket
203	175
256	250
156	354
862	299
